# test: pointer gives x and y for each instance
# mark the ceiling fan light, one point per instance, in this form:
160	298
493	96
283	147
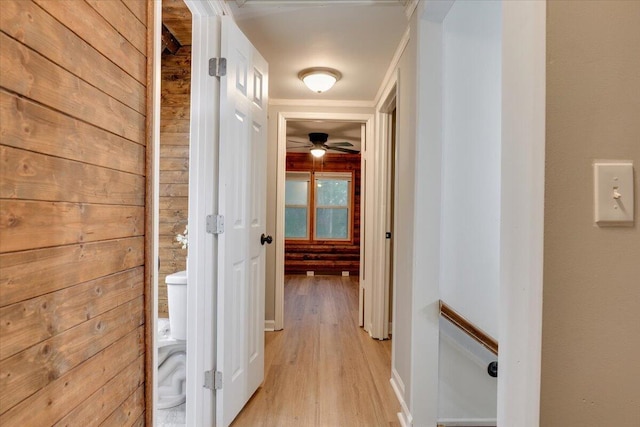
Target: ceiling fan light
318	152
319	79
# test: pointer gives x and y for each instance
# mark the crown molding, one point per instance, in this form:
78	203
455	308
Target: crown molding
410	7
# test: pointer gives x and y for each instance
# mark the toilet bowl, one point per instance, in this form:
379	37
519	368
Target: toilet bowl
172	344
172	373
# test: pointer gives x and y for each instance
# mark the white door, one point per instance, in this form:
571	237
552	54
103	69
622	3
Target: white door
242	202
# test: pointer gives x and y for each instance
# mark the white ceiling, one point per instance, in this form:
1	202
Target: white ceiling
356	37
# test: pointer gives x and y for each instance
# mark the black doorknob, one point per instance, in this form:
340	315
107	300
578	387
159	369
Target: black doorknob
265	239
492	369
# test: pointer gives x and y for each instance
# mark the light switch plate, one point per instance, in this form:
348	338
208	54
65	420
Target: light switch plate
614	193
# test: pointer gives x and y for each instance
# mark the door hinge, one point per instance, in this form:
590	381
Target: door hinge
213	380
218	67
215	224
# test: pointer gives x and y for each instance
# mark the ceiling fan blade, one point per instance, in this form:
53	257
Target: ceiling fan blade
343	150
340	144
298	140
304	143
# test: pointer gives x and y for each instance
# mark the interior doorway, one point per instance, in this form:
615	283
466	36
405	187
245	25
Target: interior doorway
172	147
301	123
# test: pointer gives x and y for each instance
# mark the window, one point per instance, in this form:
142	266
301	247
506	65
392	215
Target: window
296	211
319	212
332	206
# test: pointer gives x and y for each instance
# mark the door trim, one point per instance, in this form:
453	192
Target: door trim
203	196
152	201
368	120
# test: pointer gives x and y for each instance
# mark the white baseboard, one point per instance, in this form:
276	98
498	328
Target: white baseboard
405	418
269	325
460	422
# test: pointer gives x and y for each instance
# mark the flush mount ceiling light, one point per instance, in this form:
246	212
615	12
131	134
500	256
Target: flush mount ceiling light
318	151
319	79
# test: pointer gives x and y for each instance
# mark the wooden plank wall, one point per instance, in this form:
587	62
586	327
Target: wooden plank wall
326	257
174	165
73	100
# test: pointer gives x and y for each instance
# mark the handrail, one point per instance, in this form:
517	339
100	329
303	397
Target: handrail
468	328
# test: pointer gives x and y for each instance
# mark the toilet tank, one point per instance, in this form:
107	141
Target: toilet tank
177	295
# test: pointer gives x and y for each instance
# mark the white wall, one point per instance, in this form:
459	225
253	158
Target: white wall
470	251
465	389
404	215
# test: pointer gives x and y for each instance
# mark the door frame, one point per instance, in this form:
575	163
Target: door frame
283	117
203	201
388	142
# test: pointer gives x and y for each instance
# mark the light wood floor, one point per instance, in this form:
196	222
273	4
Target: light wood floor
322	369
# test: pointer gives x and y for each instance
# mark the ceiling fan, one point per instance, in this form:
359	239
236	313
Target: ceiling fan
318	144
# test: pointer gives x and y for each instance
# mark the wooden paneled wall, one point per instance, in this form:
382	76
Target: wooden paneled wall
326	257
73	102
174	165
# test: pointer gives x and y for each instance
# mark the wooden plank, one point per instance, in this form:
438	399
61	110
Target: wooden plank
26	125
30	274
175	254
97	32
172	99
174	139
113	396
177	177
29	24
171	229
31	225
174	203
303	256
145	418
29	322
174	190
31	176
174	164
130	413
171	267
176	112
29	74
177	66
176	87
122	19
168	241
138	8
172	215
54	400
175	151
175	126
33	369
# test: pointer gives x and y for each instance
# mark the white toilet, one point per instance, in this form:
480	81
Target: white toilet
172	344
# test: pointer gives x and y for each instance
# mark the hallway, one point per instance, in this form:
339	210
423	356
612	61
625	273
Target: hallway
322	369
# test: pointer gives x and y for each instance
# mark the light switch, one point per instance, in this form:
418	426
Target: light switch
613	193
